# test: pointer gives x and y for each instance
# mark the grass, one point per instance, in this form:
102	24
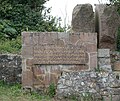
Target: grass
15	93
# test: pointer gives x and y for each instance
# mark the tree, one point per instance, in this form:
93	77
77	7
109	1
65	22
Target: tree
116	3
25	15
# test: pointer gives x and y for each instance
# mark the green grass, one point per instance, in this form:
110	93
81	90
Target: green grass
15	93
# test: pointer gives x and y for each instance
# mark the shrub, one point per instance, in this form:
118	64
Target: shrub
10	46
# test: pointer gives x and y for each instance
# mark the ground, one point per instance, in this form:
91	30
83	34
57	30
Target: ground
15	93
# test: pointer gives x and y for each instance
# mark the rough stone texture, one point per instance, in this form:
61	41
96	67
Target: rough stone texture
117	66
115	60
108	21
47	54
10	68
104	60
112	98
83	18
100	84
104	53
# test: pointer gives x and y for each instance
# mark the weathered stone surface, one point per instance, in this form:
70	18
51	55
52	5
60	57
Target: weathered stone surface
103	61
117	66
93	60
83	18
103	53
46	74
100	84
27	51
10	68
111	98
27	78
46	54
108	23
59	50
106	68
59	55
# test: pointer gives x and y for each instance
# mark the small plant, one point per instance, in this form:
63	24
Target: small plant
111	97
73	98
51	90
87	97
97	69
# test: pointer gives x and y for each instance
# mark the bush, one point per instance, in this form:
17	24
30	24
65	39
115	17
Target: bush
11	46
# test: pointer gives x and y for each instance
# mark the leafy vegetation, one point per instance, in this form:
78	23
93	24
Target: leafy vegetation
23	15
51	90
10	46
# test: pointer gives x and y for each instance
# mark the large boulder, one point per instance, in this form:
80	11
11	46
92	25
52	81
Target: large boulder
107	21
83	18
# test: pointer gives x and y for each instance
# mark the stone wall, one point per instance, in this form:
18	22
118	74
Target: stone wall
46	54
10	68
104	60
115	61
100	84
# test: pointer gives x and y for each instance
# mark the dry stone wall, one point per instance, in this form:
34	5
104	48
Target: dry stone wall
10	68
101	85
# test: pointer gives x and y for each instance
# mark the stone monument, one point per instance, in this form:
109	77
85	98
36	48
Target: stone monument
45	55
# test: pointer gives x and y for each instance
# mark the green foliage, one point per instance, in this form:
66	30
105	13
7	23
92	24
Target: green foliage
87	96
51	90
114	1
28	15
23	15
10	46
7	31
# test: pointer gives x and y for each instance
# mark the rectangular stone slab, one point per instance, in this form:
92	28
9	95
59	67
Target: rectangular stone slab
46	54
53	48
